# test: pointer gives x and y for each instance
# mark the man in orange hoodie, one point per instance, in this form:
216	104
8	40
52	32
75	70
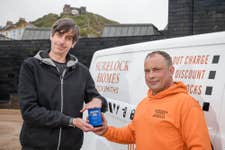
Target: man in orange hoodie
167	119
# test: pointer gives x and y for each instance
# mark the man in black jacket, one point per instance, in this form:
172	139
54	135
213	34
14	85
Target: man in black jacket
53	87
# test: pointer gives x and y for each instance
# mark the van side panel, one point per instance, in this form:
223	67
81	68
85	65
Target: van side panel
199	62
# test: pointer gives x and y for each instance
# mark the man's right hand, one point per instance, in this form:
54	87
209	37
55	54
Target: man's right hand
101	130
83	125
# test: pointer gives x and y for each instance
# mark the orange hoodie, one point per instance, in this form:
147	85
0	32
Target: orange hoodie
169	120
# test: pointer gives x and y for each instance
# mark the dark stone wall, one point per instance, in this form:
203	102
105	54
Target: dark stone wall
209	16
187	17
180	17
12	54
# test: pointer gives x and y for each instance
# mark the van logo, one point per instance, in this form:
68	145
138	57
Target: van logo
113	108
122	110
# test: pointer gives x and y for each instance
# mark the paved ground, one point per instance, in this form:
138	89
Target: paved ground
10	125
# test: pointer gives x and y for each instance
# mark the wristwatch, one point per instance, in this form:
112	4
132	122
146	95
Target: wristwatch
71	124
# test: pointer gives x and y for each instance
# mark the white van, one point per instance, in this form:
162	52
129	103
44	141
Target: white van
199	61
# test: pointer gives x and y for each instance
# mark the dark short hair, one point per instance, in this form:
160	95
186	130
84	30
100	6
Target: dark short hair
64	25
163	54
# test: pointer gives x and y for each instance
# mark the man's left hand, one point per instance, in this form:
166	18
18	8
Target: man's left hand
94	103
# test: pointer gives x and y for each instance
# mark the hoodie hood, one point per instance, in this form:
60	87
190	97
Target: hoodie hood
177	87
43	56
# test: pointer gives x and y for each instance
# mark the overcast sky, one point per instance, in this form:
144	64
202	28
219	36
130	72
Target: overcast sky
122	11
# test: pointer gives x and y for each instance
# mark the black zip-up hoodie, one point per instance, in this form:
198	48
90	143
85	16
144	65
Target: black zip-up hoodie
49	99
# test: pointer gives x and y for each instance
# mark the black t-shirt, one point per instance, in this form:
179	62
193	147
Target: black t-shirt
60	66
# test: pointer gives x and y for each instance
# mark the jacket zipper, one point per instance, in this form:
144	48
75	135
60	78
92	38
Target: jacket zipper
61	109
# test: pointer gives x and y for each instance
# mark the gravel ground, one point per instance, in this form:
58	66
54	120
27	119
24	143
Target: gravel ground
10	125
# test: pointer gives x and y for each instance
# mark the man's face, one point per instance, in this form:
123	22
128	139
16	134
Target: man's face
158	76
62	42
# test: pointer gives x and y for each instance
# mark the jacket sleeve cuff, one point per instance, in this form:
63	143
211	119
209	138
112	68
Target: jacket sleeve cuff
66	121
107	133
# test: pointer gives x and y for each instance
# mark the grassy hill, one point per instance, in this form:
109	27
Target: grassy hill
91	25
